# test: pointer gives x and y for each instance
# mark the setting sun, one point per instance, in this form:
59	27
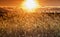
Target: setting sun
29	5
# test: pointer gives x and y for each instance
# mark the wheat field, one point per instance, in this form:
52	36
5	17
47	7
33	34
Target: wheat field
16	23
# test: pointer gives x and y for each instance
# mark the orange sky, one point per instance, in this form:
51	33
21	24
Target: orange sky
42	2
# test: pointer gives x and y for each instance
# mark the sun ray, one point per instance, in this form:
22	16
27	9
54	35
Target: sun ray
29	5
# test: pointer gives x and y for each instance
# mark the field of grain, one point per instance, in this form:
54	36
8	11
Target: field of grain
17	23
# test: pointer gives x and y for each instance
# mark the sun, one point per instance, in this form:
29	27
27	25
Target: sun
29	5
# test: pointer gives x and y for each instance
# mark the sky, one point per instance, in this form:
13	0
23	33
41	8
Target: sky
41	2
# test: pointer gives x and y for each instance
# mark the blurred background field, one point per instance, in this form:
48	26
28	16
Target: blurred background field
43	23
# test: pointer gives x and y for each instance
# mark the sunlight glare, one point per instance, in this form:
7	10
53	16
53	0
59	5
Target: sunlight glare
29	5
